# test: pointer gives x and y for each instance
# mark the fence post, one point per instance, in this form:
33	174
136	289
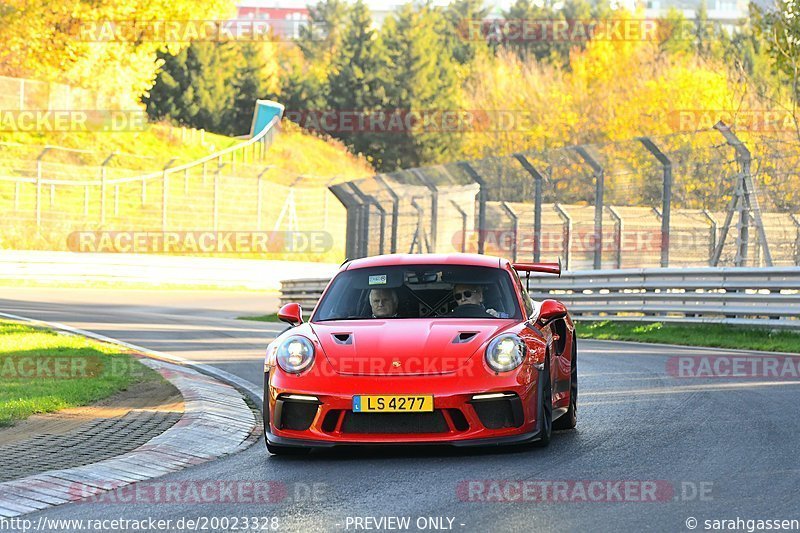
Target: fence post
482	198
368	200
514	227
463	225
747	201
712	242
103	170
537	205
215	204
325	202
418	238
666	196
564	216
796	239
258	197
434	205
39	186
352	205
617	235
599	177
165	193
362	241
204	173
395	211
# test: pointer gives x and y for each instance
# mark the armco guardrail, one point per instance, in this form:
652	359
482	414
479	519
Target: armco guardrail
58	268
768	297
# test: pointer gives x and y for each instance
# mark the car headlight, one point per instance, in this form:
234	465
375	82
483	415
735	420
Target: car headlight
295	354
505	352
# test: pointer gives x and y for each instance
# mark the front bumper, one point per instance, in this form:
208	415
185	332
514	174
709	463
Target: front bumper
459	420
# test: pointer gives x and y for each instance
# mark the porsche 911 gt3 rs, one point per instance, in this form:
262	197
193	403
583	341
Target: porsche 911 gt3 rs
422	349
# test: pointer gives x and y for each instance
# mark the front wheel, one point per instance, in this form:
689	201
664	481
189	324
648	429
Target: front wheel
545	411
570	419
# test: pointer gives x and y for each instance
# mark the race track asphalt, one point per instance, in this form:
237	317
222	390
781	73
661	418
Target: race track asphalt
714	448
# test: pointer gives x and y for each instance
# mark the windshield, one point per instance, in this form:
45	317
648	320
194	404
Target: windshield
419	291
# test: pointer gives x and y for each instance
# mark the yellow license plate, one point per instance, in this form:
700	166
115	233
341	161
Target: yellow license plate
393	404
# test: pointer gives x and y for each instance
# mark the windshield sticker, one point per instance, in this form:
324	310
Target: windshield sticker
377	280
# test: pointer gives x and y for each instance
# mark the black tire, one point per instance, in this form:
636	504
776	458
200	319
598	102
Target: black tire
546	410
570	419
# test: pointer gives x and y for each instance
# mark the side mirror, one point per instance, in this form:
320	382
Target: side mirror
292	314
551	310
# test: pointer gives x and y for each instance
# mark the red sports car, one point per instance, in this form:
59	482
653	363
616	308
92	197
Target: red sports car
422	349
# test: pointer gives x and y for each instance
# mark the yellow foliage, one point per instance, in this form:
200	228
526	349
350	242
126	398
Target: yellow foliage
64	42
611	91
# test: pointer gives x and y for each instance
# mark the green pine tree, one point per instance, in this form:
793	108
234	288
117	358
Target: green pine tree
531	44
356	80
321	39
194	87
465	45
423	79
248	85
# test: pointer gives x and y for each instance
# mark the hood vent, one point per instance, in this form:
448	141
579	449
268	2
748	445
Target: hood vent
464	337
343	338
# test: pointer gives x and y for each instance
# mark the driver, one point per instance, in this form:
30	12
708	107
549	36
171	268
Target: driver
384	303
471	295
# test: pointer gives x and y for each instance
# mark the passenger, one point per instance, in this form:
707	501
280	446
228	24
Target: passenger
465	294
384	303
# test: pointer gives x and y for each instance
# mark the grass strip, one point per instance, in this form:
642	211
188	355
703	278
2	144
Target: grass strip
272	317
709	335
43	371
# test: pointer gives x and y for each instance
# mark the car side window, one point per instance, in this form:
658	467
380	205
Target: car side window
526	299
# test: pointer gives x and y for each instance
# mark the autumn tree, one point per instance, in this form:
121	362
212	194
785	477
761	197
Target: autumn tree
356	80
422	81
74	42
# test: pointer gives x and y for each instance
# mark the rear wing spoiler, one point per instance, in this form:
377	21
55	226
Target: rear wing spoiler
546	268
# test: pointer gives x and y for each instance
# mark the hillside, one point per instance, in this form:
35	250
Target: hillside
296	165
293	151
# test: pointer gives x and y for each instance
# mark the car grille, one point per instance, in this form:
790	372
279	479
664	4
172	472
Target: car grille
394	422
